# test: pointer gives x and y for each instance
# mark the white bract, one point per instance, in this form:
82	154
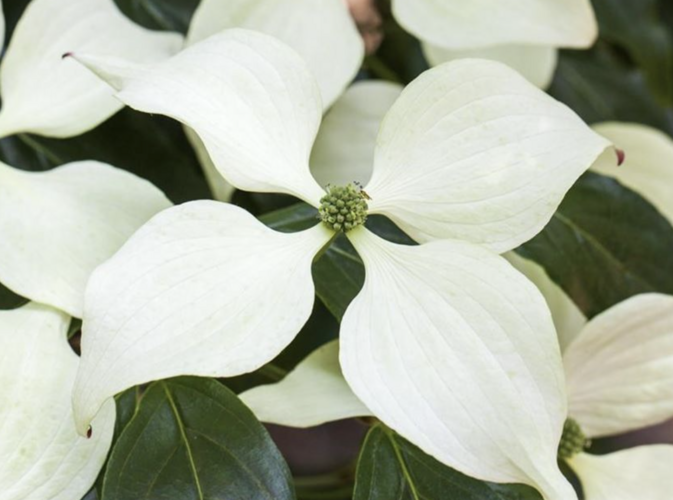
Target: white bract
41	455
321	31
57	226
447	343
45	95
524	34
619	372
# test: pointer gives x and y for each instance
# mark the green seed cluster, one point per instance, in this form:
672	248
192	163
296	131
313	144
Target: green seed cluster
343	207
573	440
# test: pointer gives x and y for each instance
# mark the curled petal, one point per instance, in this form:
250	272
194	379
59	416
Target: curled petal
344	149
202	289
250	98
536	63
620	367
41	455
643	472
57	226
454	349
321	31
647	167
43	94
457	24
472	151
314	393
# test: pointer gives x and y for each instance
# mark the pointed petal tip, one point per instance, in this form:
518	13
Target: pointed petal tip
67	54
621	156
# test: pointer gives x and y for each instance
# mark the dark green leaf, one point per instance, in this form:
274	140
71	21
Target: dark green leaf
598	87
10	300
74	327
192	438
154	148
636	27
604	244
167	15
391	467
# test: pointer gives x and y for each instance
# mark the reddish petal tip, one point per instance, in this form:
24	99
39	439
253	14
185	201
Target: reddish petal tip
67	54
89	432
621	156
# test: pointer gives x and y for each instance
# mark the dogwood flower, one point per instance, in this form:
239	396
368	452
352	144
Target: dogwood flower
523	34
56	227
619	373
446	343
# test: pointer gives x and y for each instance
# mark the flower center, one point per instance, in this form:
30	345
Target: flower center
343	207
573	440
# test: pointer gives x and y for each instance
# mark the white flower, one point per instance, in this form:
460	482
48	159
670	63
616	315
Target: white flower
620	378
446	343
523	34
619	373
56	227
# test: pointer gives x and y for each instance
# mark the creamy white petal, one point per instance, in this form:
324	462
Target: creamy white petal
454	349
250	98
57	226
473	151
344	149
41	455
620	368
536	63
202	289
648	164
642	473
313	393
321	31
568	318
43	94
460	24
220	189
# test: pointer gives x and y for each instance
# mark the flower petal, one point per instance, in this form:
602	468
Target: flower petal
250	98
45	95
643	472
57	226
321	31
648	164
220	188
314	393
567	317
620	368
458	24
536	63
41	455
344	149
472	151
454	349
202	289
